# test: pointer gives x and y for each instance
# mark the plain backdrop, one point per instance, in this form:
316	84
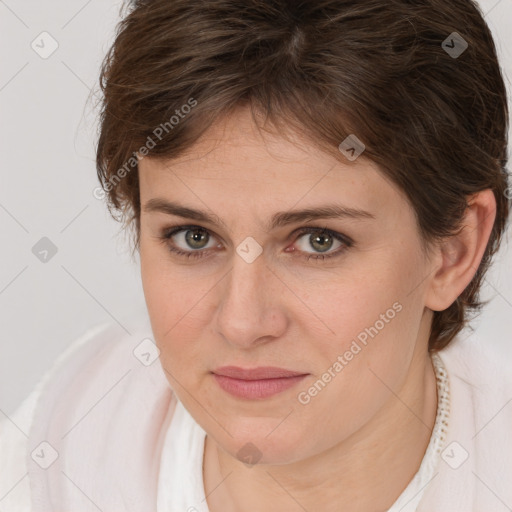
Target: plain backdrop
47	141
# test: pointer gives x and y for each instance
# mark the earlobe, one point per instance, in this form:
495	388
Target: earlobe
461	254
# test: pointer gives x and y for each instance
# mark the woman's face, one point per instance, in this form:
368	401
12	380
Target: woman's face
245	294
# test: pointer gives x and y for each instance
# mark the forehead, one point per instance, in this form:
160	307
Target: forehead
234	159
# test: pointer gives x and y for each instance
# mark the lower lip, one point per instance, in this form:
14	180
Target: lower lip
253	389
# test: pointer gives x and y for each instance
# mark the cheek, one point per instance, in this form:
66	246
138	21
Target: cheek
163	284
153	285
373	317
363	304
356	368
176	307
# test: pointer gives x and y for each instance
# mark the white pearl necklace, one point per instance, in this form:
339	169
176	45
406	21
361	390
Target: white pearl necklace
443	405
412	495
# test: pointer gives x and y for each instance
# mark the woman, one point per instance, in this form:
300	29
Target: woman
315	190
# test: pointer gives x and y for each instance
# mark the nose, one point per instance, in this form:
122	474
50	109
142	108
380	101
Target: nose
251	308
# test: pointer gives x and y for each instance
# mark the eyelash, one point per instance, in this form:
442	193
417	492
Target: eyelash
345	240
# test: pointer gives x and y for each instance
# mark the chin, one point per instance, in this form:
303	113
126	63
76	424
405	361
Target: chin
262	443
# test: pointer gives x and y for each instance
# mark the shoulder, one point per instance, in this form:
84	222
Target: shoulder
474	360
15	428
78	368
477	453
480	384
14	486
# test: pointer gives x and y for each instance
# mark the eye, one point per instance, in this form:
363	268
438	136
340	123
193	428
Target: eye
194	237
194	242
322	239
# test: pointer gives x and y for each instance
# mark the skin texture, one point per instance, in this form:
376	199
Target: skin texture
361	439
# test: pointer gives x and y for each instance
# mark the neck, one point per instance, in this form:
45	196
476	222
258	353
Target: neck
367	471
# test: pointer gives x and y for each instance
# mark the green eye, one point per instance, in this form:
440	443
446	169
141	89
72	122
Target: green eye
198	238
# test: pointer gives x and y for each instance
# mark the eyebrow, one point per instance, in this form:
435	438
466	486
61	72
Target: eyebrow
279	219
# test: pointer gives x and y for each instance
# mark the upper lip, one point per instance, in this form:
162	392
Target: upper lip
261	372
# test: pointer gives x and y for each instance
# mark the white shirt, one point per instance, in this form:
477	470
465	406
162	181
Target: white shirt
467	466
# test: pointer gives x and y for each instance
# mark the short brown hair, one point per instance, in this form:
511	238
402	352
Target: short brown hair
435	122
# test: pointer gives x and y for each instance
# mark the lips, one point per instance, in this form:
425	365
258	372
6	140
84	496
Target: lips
256	383
260	373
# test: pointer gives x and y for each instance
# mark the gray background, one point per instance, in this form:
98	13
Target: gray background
47	138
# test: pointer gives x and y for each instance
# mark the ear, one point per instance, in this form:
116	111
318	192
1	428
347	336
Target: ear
458	257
